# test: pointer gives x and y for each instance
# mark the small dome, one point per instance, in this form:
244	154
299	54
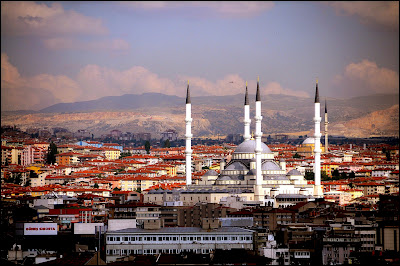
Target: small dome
270	166
308	141
236	166
252	172
211	173
293	172
248	146
224	177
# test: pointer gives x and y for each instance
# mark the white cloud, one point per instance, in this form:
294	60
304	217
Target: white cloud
228	85
367	77
276	88
39	91
384	13
224	8
234	84
30	18
93	82
101	81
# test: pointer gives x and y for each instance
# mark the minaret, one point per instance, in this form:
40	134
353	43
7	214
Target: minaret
246	120
188	150
326	128
317	146
258	134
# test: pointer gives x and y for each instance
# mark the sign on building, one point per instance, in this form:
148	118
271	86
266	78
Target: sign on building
40	229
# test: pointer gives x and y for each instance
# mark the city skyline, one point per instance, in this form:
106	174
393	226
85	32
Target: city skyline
56	52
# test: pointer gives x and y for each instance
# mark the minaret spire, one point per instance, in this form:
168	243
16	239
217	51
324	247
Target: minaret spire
188	136
246	97
316	93
258	195
246	119
317	146
188	94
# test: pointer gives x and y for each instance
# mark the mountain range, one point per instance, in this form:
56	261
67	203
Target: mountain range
365	116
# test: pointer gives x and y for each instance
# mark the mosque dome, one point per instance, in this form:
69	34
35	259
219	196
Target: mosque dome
293	172
224	178
211	173
248	146
236	166
308	141
271	166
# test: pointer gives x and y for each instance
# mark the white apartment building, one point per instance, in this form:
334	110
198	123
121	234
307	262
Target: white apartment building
174	240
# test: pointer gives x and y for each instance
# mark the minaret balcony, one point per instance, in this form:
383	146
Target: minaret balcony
258	134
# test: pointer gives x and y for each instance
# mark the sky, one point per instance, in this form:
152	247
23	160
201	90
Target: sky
53	52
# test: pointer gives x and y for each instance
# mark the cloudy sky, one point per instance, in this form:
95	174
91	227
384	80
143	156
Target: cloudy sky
55	52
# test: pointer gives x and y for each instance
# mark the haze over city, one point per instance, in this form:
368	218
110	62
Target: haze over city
54	52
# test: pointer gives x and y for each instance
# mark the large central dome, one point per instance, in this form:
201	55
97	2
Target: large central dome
248	146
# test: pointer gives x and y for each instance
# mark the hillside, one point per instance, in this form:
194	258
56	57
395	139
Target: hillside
152	112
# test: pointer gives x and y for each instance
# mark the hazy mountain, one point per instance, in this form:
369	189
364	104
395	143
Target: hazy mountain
115	103
155	113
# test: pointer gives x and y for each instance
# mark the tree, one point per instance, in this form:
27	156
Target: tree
167	144
352	175
95	185
296	155
147	146
343	175
124	154
335	174
324	176
51	153
309	175
388	158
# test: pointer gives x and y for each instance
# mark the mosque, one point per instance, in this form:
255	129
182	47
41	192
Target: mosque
252	174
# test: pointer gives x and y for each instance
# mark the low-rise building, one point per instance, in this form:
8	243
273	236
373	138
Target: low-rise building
175	240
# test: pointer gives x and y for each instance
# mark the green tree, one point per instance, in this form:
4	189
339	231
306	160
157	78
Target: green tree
343	175
324	176
296	155
167	144
51	153
352	175
335	174
147	146
96	185
388	158
309	175
124	154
